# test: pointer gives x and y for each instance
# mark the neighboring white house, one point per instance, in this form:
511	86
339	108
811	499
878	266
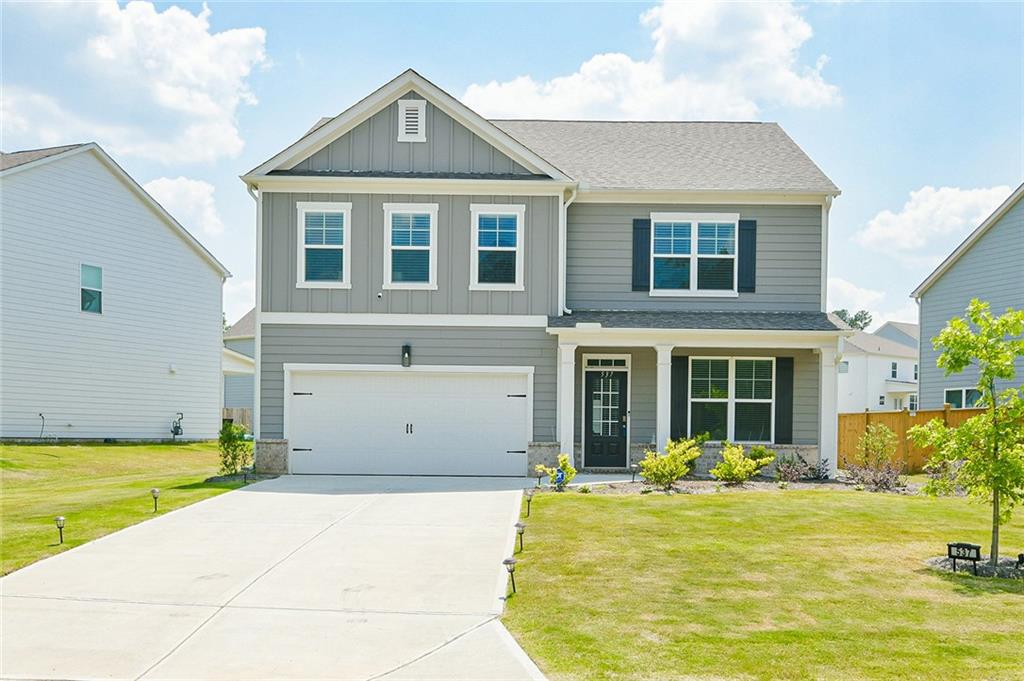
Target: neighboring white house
110	311
878	374
239	365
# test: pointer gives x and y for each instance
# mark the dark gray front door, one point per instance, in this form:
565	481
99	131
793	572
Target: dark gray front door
605	418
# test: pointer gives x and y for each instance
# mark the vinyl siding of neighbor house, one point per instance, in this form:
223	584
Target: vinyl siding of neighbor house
600	246
643	388
238	391
102	375
449	148
367	242
991	270
896	336
283	343
246	346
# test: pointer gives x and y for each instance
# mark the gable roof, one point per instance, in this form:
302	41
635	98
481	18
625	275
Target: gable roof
22	161
908	328
967	243
673	155
323	133
871	344
244	327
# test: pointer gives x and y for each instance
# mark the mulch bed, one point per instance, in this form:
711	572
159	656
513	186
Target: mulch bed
1007	568
710	486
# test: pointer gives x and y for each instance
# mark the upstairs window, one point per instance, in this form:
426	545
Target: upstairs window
92	289
324	251
412	120
893	373
497	247
693	254
915	372
410	260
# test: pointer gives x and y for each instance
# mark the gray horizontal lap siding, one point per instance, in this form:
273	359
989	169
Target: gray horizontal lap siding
374	145
246	346
643	388
238	392
430	346
600	264
367	242
991	270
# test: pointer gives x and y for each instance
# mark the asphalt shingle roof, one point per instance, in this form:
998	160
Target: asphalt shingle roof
877	345
757	321
19	158
244	327
689	156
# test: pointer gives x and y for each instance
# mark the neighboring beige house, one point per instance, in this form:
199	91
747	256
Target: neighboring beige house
879	374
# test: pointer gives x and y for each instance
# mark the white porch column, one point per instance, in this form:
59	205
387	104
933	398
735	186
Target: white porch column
663	427
828	394
566	399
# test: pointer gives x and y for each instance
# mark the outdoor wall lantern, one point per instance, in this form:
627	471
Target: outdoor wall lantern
529	497
520	530
510	565
633	468
156	495
407	355
60	527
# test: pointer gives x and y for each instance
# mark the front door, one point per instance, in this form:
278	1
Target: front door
605	396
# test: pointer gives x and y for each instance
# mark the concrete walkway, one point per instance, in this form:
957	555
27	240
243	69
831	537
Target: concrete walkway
303	577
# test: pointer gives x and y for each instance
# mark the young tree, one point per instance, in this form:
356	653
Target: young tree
860	320
985	455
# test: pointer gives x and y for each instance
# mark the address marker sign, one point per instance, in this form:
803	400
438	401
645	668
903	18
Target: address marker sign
963	551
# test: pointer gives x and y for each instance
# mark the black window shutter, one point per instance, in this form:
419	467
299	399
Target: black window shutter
784	400
680	376
642	254
747	274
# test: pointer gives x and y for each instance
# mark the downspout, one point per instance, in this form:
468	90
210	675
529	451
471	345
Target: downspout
256	314
563	226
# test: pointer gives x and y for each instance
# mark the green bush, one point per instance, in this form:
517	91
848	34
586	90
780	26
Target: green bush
736	467
235	450
563	465
662	471
792	468
873	467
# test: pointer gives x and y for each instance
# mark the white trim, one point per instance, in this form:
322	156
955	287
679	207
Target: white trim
697	338
420	105
731	400
426	186
693	219
345	208
826	207
966	244
403	319
236	364
669	196
257	316
565	395
83	287
663	396
583	397
404	208
475	211
963	396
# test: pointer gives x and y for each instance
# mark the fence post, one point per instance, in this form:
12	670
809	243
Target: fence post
904	425
945	414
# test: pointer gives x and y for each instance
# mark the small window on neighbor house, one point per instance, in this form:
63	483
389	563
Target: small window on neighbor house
893	373
881	400
92	289
844	367
912	402
962	398
412	123
915	372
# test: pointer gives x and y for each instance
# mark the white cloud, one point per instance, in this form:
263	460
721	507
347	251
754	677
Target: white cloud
191	202
883	307
239	297
167	68
932	221
710	60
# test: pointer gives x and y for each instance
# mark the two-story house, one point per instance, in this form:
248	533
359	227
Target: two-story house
878	373
988	265
444	294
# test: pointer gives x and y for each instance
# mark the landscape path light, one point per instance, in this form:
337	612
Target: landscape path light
510	565
520	530
633	468
156	495
60	527
529	498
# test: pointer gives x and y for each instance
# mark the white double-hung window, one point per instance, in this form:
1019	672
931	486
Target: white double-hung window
733	398
410	253
694	254
496	255
324	253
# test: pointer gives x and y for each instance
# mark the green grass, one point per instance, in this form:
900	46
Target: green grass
761	585
98	488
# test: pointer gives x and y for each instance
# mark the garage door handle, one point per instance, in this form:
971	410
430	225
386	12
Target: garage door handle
302	393
515	451
523	395
302	449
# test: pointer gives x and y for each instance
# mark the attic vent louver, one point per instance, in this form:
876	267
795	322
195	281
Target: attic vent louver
412	114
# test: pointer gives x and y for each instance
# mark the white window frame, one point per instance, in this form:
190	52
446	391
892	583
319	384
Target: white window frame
89	288
475	211
403	106
963	395
731	400
912	403
693	219
881	400
894	370
389	210
303	207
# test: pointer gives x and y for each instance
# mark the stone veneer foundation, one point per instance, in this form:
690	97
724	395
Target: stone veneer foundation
270	457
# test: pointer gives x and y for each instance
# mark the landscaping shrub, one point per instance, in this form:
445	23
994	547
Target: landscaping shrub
564	467
873	466
235	450
736	467
662	471
792	468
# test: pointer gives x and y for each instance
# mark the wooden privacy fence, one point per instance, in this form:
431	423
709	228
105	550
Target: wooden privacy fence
852	426
238	415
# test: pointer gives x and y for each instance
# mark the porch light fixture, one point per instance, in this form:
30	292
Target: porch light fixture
60	527
529	497
633	468
510	565
520	530
156	495
407	355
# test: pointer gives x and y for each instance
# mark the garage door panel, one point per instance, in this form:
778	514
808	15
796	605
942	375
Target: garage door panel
428	423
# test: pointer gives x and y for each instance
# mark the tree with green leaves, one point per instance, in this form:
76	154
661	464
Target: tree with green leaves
860	320
985	455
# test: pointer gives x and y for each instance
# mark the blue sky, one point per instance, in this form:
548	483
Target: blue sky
915	110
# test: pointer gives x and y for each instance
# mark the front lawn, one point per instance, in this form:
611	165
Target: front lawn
761	585
98	488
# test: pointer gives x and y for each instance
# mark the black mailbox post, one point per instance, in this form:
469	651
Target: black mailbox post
963	551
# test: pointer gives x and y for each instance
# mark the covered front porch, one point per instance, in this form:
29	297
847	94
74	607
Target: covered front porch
629	381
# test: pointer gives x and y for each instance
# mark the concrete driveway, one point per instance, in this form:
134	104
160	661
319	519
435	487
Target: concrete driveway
309	577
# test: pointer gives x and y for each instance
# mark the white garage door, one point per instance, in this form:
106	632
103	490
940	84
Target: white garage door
408	422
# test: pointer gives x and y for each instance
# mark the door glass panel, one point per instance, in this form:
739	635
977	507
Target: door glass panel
605	418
